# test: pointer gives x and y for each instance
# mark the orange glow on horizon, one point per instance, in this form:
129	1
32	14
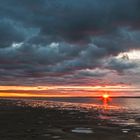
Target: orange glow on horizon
117	87
63	91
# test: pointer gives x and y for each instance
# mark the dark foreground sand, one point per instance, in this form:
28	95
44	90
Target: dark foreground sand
27	123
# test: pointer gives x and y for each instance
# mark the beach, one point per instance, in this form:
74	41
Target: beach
69	69
30	120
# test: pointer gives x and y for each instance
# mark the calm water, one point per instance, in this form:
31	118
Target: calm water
130	103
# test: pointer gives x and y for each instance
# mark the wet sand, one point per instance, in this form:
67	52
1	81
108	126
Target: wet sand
18	122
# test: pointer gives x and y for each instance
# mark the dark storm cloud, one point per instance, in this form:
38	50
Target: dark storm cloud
55	59
10	32
43	38
120	65
74	20
14	32
92	73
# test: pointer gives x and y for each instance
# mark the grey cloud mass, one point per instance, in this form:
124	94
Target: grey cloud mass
61	41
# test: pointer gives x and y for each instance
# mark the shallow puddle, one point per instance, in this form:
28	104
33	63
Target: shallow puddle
82	130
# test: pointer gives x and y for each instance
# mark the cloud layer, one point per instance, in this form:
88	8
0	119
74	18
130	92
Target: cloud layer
64	42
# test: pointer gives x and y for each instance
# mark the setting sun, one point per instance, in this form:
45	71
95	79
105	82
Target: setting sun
105	96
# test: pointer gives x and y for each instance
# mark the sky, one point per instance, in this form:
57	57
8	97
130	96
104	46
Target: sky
75	47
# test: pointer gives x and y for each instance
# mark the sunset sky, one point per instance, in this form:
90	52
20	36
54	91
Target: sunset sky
69	47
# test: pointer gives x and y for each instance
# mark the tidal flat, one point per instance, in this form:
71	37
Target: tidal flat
45	120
